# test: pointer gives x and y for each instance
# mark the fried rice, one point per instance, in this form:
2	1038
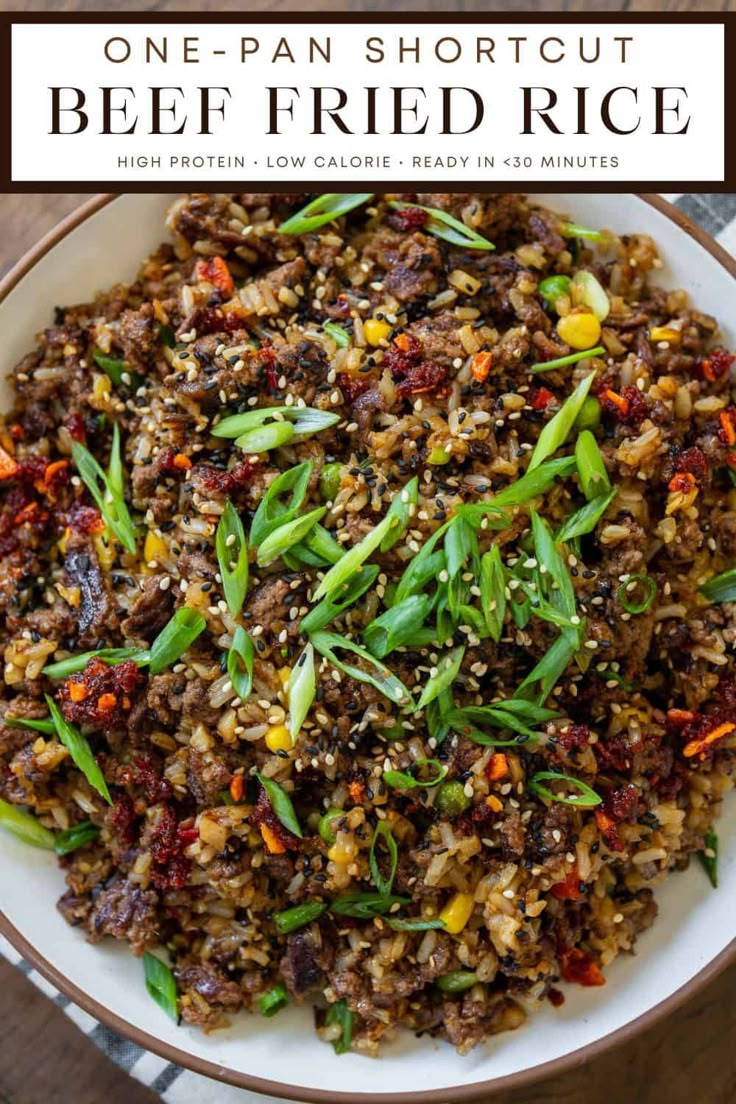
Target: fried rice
418	772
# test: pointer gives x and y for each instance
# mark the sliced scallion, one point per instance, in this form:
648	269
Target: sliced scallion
284	538
492	584
79	835
562	362
273	1001
364	906
292	919
354	559
266	437
281	805
272	510
175	637
325	208
340	336
585	519
721	588
586	797
592	472
445	226
405	780
116	369
301	690
106	494
443	677
398	923
335	604
708	857
25	826
112	656
78	747
573	230
529	486
383	834
400	510
647	588
376	674
457	981
44	726
339	1013
161	984
556	431
232	558
397	625
240	663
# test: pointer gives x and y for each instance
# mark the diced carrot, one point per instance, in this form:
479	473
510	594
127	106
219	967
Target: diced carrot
569	888
701	743
54	469
8	466
355	789
26	514
273	844
236	787
402	341
182	462
77	691
498	767
106	702
493	803
215	271
727	427
682	482
680	717
481	366
617	400
604	821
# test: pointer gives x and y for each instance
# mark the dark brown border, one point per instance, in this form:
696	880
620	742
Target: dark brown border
464	1094
622	18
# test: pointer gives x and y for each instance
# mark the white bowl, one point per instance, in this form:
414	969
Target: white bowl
690	942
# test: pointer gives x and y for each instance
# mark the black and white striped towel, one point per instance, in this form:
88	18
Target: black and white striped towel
717	215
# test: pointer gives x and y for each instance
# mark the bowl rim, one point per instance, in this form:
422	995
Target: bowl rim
462	1094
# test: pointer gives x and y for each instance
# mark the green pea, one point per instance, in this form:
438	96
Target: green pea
457	981
329	481
554	288
325	825
590	414
451	799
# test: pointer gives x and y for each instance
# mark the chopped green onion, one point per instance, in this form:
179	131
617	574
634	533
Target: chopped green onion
286	536
377	674
400	511
305	420
112	656
586	291
515	714
397	625
549	669
78	747
330	479
461	544
585	798
240	663
339	1013
28	722
399	924
571	358
108	498
281	805
340	336
25	826
116	369
353	559
272	512
383	832
553	288
161	984
531	485
451	799
444	675
324	825
264	438
572	230
492	584
403	780
556	431
586	518
708	857
457	981
335	604
301	690
232	557
364	906
273	1001
625	593
174	639
423	567
292	919
323	209
167	336
323	545
592	472
721	588
445	226
79	835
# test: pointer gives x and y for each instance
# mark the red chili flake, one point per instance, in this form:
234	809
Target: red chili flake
694	462
75	425
580	967
56	476
715	365
271	370
263	814
209	320
216	272
123	820
569	888
421	379
165	842
220	483
408	218
613	752
727	428
574	737
556	998
628	406
682	483
108	691
174	875
351	386
188	836
17	432
622	803
145	774
84	519
404	354
541	399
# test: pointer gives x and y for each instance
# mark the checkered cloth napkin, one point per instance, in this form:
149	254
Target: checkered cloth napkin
717	215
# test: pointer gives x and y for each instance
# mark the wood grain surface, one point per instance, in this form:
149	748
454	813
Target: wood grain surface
690	1058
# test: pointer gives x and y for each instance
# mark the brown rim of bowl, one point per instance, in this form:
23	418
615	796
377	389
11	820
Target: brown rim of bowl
463	1093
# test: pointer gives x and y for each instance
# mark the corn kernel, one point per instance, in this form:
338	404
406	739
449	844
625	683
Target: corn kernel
278	738
665	333
579	329
101	388
343	849
457	912
105	550
284	676
154	548
64	540
376	331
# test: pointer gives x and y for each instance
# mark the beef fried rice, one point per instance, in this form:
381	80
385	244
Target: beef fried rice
366	614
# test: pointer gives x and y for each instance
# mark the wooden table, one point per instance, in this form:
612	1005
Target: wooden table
688	1059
